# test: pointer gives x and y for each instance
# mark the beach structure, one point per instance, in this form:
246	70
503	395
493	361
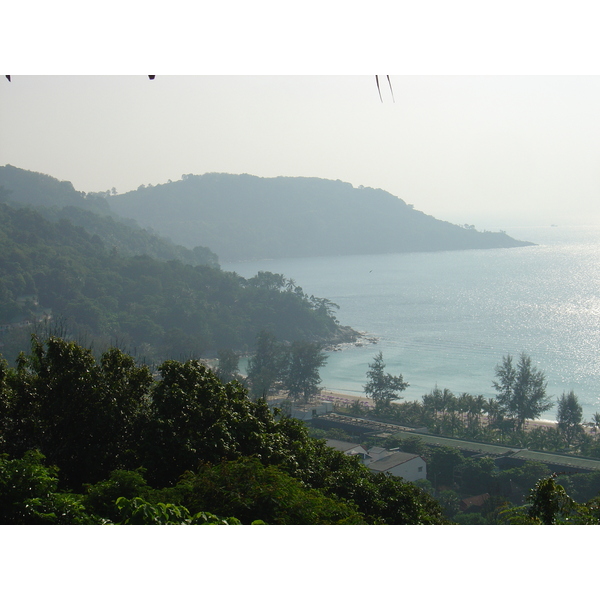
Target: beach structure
410	467
349	448
379	460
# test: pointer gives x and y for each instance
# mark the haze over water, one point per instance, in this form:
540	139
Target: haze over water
448	318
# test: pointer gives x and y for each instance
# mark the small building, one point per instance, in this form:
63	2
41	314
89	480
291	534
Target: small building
349	448
410	467
310	411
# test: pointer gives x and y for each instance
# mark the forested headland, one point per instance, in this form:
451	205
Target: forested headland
57	200
242	217
69	270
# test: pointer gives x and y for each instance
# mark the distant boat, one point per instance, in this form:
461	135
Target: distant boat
553	225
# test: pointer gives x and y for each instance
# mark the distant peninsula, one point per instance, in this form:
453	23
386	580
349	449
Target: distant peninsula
244	217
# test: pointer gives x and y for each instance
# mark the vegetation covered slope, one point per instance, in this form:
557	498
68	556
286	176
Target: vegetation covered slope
162	308
245	217
86	441
37	189
186	440
57	200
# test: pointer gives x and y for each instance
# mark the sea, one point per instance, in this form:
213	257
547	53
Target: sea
447	319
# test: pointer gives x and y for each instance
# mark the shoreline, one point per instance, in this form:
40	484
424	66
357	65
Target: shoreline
345	398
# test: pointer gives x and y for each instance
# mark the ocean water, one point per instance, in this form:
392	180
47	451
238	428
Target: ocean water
448	318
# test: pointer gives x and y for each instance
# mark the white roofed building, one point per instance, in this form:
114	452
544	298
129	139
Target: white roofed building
400	464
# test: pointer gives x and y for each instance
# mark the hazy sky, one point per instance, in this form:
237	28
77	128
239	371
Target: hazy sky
482	130
494	151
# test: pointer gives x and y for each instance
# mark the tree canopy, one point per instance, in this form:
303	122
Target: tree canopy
280	217
383	387
521	389
94	431
301	371
158	309
569	416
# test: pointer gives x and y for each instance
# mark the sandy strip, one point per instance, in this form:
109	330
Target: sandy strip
348	399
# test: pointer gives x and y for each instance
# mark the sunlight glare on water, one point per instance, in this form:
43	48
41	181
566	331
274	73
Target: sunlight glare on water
448	318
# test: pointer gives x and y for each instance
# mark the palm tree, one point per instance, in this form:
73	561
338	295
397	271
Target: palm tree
494	412
451	409
496	418
475	409
447	402
431	404
416	412
441	405
595	422
462	405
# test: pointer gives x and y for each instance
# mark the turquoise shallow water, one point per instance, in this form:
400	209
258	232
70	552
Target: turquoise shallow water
448	318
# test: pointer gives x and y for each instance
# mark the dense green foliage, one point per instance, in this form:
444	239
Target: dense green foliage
521	390
183	444
29	495
500	493
301	372
137	511
497	420
83	415
252	491
471	417
548	503
292	369
265	366
242	216
383	387
127	237
569	416
39	190
163	309
56	200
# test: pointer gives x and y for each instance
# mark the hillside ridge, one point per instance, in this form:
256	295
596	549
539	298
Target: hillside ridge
241	217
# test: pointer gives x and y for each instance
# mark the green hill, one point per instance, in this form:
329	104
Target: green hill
57	200
36	189
162	308
246	217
